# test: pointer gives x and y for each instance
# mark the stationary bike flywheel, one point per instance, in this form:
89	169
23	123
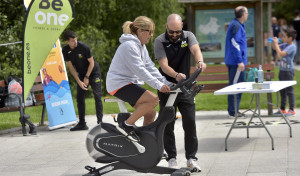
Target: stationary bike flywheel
90	140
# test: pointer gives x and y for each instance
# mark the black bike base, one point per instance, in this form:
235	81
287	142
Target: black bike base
118	165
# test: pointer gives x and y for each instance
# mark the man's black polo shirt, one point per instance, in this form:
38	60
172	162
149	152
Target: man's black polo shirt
79	58
178	53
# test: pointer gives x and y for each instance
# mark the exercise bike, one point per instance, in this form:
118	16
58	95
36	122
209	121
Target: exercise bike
107	145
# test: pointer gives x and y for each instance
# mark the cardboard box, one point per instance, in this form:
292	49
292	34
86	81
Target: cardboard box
261	85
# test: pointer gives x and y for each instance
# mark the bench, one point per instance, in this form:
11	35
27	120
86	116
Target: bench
216	77
213	79
37	90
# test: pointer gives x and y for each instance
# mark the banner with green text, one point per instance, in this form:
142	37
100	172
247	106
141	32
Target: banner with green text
45	21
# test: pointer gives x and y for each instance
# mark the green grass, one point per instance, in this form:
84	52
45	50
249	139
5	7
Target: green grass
204	101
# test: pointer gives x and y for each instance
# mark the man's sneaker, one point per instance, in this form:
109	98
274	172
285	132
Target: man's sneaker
231	117
278	112
290	113
172	163
128	131
192	164
240	115
80	126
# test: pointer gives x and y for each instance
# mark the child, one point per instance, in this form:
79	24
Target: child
286	51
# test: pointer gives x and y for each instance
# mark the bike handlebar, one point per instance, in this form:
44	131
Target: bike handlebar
186	85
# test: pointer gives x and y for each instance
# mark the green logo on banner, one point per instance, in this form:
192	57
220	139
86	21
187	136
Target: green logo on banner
45	21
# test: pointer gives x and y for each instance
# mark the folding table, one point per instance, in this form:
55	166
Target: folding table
246	87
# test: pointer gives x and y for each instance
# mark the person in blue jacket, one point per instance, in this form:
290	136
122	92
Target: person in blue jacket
236	53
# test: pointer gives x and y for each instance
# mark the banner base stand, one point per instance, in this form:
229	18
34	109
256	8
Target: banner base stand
62	125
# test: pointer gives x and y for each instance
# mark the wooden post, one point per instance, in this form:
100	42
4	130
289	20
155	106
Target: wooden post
259	32
270	33
190	20
191	25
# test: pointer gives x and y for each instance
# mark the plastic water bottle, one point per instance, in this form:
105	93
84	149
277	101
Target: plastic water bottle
270	40
260	74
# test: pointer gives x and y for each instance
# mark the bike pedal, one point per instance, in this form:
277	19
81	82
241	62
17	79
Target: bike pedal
195	170
181	172
90	169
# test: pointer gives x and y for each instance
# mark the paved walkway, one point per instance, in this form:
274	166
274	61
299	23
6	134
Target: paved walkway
297	67
61	152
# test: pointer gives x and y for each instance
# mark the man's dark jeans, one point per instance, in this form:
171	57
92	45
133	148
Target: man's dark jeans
95	82
231	73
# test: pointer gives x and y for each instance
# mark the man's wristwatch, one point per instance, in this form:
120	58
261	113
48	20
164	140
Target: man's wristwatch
86	76
199	61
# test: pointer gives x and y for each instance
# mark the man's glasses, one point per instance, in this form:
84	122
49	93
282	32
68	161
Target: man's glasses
172	32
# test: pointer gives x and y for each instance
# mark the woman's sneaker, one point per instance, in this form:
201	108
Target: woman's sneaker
128	131
172	163
193	165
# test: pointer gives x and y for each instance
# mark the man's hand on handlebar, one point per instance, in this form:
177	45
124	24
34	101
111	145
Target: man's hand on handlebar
180	76
202	65
165	88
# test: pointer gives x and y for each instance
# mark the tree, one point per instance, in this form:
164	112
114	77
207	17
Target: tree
285	9
12	14
97	23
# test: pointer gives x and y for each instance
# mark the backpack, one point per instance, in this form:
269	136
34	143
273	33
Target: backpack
251	75
9	78
16	88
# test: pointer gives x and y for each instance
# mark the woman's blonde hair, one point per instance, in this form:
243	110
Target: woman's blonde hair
141	22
